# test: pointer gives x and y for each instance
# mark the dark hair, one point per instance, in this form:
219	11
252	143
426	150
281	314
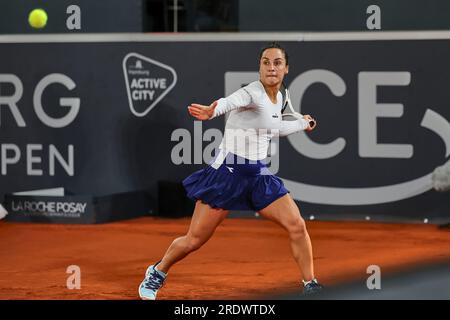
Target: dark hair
274	45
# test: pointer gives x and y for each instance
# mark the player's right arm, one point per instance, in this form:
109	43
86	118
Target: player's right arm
202	112
239	99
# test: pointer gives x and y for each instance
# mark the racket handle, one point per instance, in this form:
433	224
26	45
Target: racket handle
312	123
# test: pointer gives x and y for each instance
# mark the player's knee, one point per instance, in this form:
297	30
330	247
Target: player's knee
296	228
193	243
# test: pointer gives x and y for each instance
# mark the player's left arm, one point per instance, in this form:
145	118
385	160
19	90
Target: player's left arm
306	123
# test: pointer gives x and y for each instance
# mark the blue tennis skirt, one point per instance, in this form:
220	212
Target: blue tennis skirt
237	184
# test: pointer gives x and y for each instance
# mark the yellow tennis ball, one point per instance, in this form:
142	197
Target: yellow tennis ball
37	18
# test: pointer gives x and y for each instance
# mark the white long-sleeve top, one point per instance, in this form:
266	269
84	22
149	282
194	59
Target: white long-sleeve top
253	121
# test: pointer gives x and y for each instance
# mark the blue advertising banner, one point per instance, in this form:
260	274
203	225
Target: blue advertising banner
107	117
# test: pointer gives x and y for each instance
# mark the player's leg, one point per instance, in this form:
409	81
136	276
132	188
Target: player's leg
285	212
203	224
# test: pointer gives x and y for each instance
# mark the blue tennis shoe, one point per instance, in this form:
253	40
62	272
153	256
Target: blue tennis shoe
153	281
311	287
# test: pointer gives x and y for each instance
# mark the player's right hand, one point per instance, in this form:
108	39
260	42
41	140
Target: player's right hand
202	112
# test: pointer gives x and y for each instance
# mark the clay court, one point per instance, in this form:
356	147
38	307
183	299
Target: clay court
245	259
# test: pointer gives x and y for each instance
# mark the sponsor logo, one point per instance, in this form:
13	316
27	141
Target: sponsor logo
230	169
49	208
147	81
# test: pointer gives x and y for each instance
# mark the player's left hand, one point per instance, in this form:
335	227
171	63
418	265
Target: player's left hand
312	122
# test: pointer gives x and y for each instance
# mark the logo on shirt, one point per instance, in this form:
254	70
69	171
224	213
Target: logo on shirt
148	81
275	116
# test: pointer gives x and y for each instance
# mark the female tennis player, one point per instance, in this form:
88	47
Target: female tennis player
238	179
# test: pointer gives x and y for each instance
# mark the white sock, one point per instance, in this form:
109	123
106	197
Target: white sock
308	282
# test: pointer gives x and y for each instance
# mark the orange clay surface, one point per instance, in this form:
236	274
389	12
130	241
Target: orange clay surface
245	259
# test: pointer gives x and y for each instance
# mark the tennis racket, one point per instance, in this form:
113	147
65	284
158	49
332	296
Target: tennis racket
288	110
